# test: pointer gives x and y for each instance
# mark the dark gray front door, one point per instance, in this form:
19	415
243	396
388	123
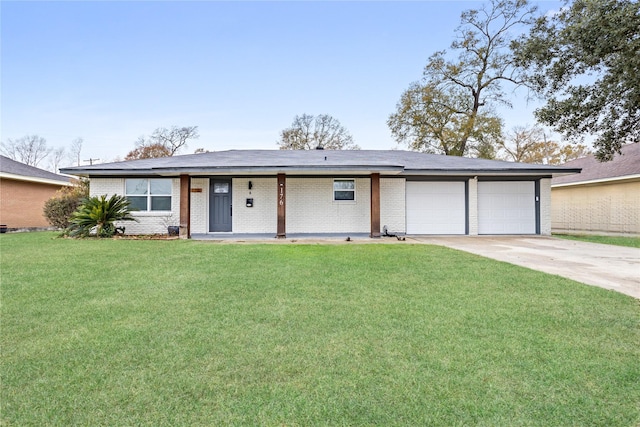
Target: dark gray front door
220	205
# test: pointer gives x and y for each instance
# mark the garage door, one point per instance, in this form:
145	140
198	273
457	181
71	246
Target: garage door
436	207
506	207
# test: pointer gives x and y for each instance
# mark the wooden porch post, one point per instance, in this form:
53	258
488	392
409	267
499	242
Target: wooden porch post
185	207
375	205
282	206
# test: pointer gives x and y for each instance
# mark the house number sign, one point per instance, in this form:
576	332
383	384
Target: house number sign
281	195
282	203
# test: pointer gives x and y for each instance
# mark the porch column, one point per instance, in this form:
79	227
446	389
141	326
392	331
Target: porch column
375	205
185	207
282	206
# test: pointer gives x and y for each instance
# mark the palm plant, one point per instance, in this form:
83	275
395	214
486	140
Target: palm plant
99	214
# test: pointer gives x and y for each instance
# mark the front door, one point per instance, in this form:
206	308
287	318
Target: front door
220	208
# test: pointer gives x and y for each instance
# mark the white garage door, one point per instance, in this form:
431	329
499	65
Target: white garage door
506	207
436	207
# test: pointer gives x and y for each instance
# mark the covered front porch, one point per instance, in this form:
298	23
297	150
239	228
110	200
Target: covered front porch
264	207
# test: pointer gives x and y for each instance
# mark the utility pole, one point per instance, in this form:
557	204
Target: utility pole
90	161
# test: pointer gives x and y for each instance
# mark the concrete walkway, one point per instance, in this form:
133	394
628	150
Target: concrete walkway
607	266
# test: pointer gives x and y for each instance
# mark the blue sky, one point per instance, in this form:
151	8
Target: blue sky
110	72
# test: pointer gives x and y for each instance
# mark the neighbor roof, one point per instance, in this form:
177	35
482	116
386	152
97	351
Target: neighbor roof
13	169
625	165
387	162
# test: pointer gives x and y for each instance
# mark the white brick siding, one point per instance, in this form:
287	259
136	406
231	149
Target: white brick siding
473	206
108	186
311	208
149	222
263	216
545	206
392	204
200	205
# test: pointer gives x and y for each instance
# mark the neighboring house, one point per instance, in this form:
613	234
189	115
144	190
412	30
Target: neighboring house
23	191
603	199
281	192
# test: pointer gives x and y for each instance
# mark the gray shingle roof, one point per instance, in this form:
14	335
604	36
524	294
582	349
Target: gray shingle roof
626	164
13	167
302	161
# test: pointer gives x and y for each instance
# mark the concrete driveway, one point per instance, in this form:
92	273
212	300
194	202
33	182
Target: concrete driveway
607	266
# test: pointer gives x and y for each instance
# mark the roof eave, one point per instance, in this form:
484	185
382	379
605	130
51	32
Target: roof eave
38	180
609	180
491	172
242	170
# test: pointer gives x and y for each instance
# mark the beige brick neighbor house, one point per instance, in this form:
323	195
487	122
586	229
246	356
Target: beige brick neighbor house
286	193
23	191
603	199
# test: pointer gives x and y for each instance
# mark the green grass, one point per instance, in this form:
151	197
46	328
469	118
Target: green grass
633	242
167	333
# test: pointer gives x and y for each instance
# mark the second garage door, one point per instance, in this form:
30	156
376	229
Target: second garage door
436	207
506	207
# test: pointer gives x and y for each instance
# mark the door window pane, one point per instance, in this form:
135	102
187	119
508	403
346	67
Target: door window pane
221	187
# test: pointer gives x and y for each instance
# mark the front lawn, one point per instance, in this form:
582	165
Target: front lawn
632	242
125	332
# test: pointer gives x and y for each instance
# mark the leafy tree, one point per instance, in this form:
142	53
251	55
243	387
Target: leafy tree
59	209
564	153
584	61
308	133
163	142
530	145
449	111
148	152
98	215
433	121
30	149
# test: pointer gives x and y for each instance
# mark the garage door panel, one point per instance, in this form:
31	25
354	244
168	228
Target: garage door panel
506	207
436	207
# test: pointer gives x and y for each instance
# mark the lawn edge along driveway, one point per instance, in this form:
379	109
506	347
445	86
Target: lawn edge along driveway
610	267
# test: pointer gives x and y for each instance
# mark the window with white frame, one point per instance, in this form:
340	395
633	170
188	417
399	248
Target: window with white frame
149	194
344	189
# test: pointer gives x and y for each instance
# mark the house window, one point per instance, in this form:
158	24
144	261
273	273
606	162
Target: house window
149	194
344	189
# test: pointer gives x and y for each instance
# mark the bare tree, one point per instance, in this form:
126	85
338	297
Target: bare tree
57	155
30	149
75	150
519	142
175	138
308	133
530	145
